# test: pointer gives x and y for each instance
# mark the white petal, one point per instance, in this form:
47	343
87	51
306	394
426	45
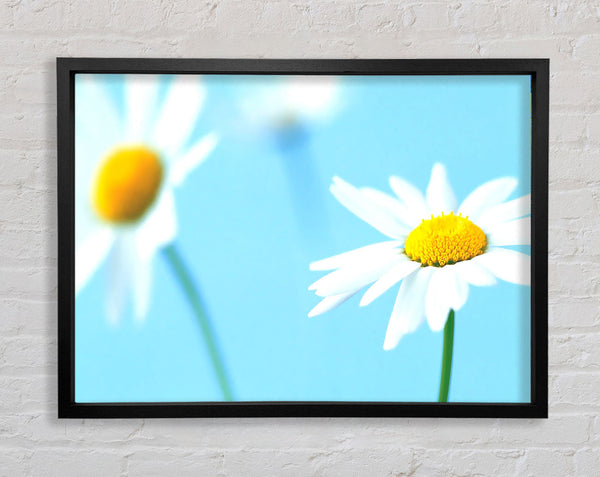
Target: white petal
354	276
507	265
178	116
440	196
367	210
358	254
185	164
438	299
120	276
515	232
513	209
159	226
412	198
330	303
486	196
409	308
130	273
393	205
457	289
388	280
90	253
474	273
141	94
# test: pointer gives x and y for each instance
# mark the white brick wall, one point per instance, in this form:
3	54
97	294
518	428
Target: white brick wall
34	32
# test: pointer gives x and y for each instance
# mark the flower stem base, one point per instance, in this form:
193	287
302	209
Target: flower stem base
447	358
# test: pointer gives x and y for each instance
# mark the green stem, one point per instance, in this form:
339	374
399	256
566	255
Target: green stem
193	295
447	357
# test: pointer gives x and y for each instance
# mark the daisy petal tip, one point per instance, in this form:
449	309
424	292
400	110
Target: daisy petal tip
314	267
438	326
390	344
340	184
395	181
438	167
436	322
314	312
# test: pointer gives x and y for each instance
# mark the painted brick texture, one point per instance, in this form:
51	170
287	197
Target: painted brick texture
34	443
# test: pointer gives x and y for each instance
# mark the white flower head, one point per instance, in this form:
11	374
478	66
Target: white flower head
295	100
437	249
125	172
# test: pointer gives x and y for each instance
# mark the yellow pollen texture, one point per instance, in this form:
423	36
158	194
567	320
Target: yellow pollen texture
444	240
126	184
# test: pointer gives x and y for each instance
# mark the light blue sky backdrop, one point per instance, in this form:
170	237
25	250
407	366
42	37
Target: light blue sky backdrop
254	216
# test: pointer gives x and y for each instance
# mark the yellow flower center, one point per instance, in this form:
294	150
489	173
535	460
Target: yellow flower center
445	240
127	183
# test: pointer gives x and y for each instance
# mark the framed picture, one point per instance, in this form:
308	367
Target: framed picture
302	237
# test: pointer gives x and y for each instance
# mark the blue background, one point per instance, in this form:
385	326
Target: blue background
258	211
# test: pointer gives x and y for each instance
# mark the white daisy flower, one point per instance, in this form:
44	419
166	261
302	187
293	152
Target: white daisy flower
295	100
125	172
436	249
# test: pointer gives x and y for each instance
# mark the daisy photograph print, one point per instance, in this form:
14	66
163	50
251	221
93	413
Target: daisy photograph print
328	238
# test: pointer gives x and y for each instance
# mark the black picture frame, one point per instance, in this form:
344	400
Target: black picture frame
539	71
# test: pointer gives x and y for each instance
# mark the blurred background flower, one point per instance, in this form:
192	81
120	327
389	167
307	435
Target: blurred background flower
287	112
127	166
293	101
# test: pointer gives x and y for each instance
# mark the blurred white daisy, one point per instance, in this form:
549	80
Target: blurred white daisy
437	249
292	101
126	168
